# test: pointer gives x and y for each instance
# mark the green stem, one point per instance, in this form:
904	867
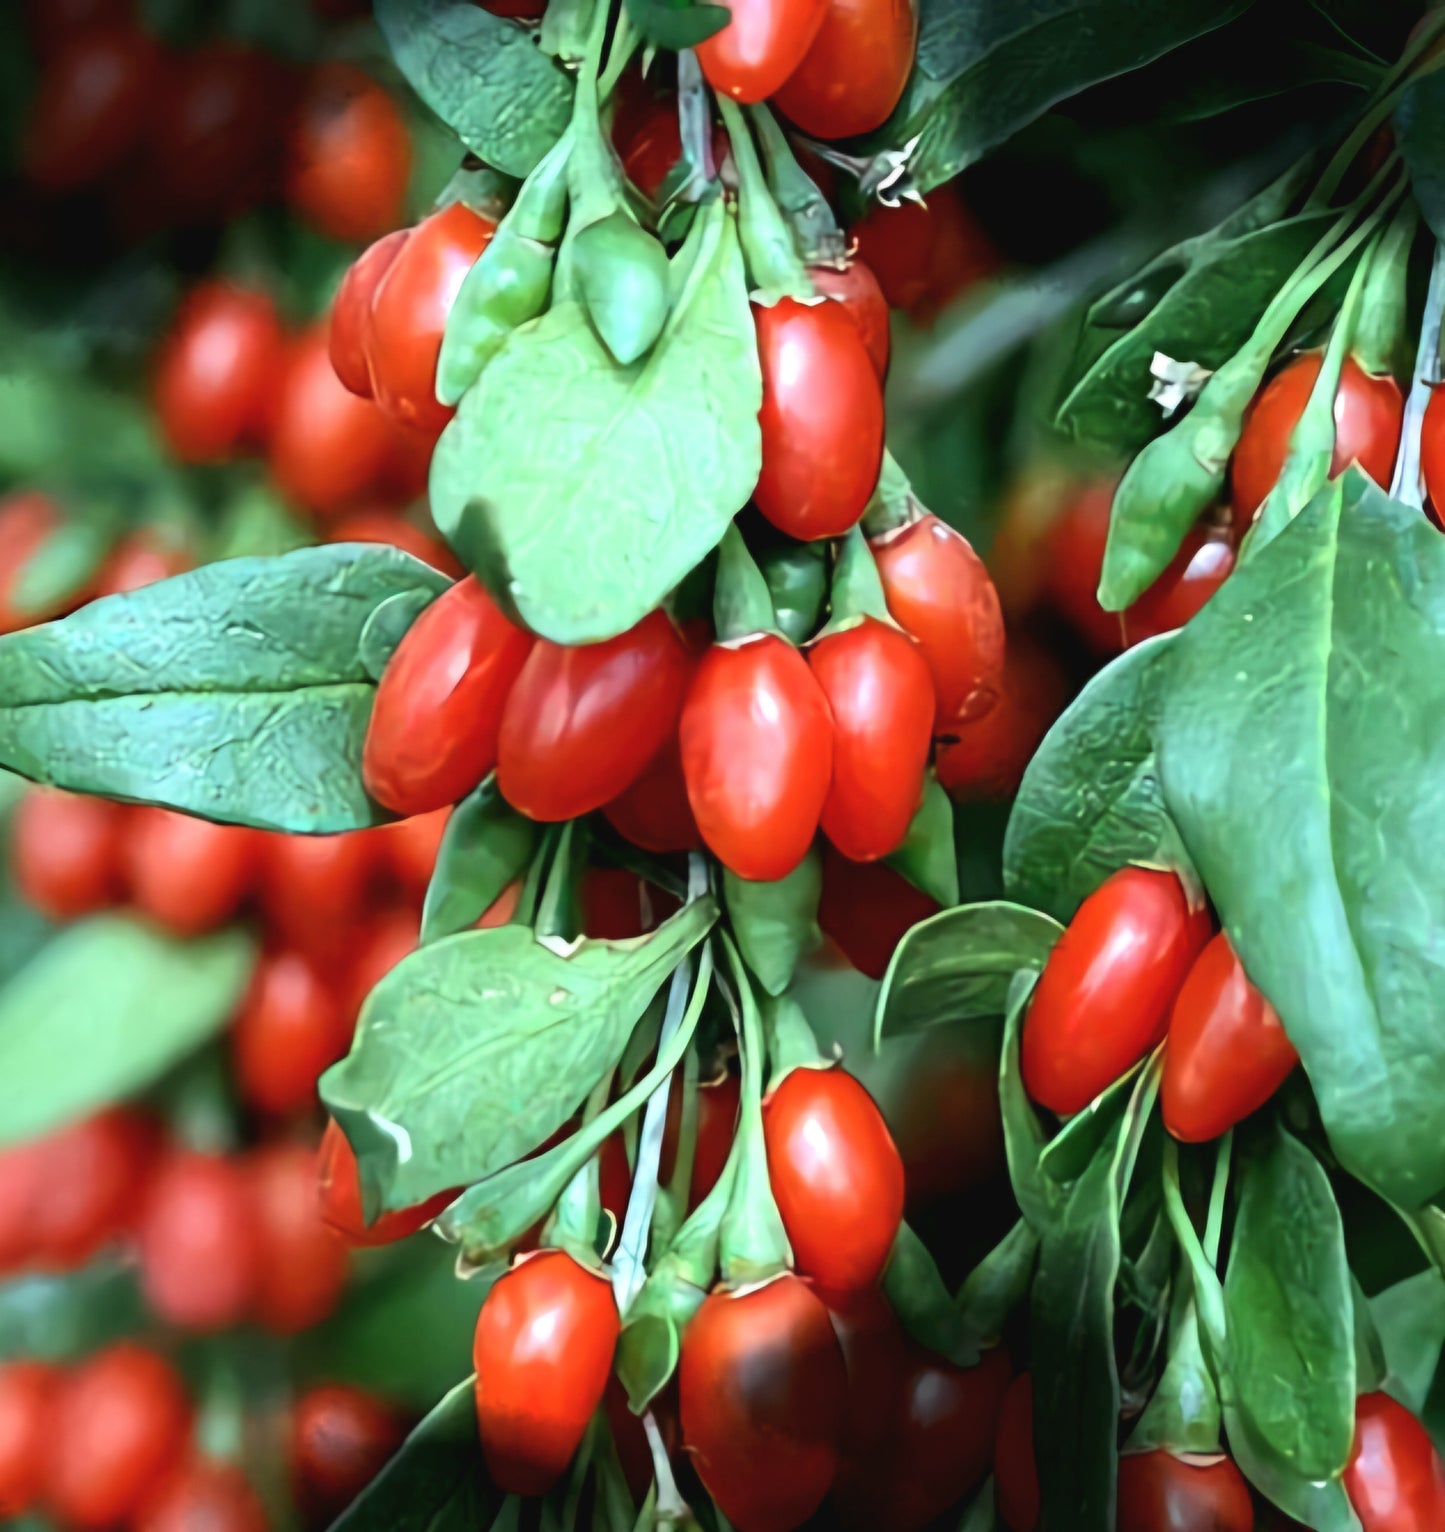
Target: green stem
556	909
816	235
791	1044
856	591
1208	1295
773	264
894	505
574	1223
1219	1187
525	913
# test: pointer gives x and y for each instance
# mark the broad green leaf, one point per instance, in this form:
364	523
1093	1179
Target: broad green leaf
985	71
1420	135
1023	1135
1323	1506
236	692
776	924
103	1010
435	1482
63	1318
797	576
1290	1311
1301	749
676	24
1090	800
1205	317
486	844
1076	1380
475	1049
928	857
996	1286
56	574
1410	1320
483	75
958	965
582	492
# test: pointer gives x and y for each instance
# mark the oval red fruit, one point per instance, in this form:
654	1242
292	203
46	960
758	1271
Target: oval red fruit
341	1438
1015	1466
201	1495
26	1392
1394	1478
857	289
291	1027
65	852
340	1188
302	1268
762	44
188	874
853	75
1160	1491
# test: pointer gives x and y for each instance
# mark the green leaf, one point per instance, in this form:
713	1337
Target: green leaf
958	965
797	580
676	24
581	519
483	75
1290	1311
985	71
66	1317
1301	751
1090	801
387	626
475	1049
996	1286
103	1010
485	846
1204	317
436	1482
236	692
928	857
1420	137
1323	1506
1410	1319
57	573
776	924
1023	1135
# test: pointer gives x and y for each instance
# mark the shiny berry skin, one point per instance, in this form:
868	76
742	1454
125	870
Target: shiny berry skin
142	559
28	520
1015	1466
1368	412
937	1445
857	289
341	1438
328	448
1227	1053
437	717
117	1424
763	1393
1432	458
821	419
65	852
303	1261
654	811
1103	1000
1204	562
763	43
1162	1493
617	905
292	1025
26	1392
925	256
382	943
582	723
340	1190
836	1175
201	1495
867	909
853	75
91	106
757	755
199	1248
1073	558
881	696
1394	1479
315	888
187	874
543	1354
940	594
412	846
92	1179
409	309
217	372
349	156
876	1357
350	324
985	757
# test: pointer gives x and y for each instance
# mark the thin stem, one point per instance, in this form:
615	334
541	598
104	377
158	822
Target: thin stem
1407	486
1214	1224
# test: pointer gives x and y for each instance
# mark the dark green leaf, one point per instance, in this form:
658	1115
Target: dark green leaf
486	845
1410	1320
776	924
64	1318
984	71
1204	317
958	965
1075	1146
436	1482
1301	749
917	1295
387	626
996	1286
1324	1507
1023	1135
927	857
483	75
797	577
475	1049
1290	1311
1090	801
236	691
103	1010
580	520
1420	136
676	24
